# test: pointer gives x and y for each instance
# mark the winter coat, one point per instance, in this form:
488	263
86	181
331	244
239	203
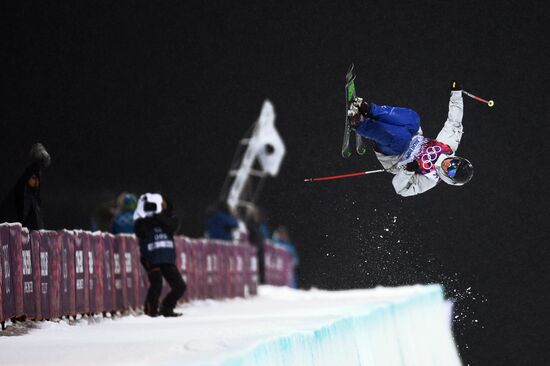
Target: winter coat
220	225
123	223
156	238
22	203
409	182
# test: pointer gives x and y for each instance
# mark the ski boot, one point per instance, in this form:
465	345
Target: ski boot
358	109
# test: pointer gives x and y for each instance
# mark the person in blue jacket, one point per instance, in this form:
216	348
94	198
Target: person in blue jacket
155	226
221	222
124	219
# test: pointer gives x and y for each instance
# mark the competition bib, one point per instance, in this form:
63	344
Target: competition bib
425	152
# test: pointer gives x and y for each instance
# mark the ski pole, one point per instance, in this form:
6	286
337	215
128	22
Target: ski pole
342	176
490	103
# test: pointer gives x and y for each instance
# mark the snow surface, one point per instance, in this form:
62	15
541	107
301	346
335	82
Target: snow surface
281	326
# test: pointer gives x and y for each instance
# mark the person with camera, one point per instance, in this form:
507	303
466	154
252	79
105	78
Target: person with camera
155	225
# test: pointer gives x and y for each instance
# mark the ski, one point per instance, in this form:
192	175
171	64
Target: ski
350	94
360	145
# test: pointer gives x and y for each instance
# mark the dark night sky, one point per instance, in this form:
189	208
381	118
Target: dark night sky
156	97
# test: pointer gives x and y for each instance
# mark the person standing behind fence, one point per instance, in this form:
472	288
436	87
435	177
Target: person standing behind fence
258	233
280	237
23	203
221	222
124	219
155	225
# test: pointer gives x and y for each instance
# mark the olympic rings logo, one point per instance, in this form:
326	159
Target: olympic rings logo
430	156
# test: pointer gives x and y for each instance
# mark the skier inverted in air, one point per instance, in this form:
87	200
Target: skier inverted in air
419	163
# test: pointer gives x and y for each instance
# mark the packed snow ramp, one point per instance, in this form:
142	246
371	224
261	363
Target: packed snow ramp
403	326
280	326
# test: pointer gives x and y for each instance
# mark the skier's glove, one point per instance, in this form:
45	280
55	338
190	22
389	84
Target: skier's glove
412	167
360	105
455	85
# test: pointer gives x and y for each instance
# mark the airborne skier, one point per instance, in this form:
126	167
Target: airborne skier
419	163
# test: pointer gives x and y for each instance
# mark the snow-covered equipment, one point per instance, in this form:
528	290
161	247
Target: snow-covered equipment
259	154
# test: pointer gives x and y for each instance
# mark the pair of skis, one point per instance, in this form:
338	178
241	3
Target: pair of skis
360	145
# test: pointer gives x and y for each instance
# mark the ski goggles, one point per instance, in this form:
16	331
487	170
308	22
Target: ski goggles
453	168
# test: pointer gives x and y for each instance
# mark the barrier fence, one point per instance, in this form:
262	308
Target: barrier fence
51	274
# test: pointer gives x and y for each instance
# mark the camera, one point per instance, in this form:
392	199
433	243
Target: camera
149	206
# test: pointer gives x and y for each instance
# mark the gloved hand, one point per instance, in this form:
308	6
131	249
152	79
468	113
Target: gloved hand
38	154
455	85
362	106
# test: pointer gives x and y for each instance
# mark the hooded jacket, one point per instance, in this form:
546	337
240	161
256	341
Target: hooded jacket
427	154
22	204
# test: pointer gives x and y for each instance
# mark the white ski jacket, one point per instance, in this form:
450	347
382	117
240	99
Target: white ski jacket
408	183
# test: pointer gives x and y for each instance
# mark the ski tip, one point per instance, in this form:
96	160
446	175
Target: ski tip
308	180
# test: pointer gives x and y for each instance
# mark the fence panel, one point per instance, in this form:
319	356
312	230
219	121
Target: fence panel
50	274
96	262
109	289
27	272
2	315
225	279
16	266
138	275
191	269
82	273
68	279
34	242
211	264
200	274
181	262
251	268
132	264
7	300
121	288
8	296
278	264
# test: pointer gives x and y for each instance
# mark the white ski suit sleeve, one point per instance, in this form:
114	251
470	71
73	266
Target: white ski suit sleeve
451	133
408	183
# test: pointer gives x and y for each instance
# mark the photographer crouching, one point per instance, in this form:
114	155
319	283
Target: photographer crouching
155	225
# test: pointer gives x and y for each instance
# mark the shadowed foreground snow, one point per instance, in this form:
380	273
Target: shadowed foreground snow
383	326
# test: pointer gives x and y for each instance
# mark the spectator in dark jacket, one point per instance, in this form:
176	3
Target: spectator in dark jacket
258	233
155	226
23	203
221	222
